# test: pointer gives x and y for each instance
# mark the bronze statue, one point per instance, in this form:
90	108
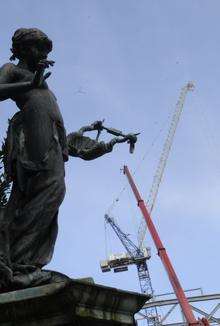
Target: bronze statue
35	150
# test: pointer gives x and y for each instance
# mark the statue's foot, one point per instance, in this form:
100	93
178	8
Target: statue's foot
6	276
33	278
23	276
22	268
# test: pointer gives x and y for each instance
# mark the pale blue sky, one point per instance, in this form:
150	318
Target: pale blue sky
126	61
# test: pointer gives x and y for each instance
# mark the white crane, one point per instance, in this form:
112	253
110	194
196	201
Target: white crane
163	159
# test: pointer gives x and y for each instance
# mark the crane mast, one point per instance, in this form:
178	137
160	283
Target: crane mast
138	257
163	159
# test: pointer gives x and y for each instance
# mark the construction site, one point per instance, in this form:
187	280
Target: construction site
138	230
189	306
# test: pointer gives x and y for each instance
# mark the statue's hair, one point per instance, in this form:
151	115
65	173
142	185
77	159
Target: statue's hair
24	37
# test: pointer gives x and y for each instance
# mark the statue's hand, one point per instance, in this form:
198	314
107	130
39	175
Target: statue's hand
131	140
97	125
39	76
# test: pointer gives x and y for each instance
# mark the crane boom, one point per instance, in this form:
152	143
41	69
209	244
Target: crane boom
186	308
130	247
163	159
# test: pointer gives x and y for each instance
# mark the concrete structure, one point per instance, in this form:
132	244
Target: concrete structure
73	302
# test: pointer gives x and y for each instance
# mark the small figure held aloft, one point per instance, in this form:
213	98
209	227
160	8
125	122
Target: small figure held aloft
90	149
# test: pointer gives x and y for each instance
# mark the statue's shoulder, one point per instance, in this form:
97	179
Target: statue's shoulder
9	73
6	73
8	68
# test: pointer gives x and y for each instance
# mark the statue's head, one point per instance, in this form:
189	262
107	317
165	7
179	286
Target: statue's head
30	44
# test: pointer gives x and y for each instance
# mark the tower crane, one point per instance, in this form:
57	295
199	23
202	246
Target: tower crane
134	255
138	254
163	159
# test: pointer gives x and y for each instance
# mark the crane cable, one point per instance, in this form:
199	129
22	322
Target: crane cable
140	163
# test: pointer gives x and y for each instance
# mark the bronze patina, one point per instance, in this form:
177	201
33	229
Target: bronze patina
34	153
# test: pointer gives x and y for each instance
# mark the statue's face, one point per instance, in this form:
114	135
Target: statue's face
37	51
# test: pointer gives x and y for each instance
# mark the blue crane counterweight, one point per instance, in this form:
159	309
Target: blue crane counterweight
134	254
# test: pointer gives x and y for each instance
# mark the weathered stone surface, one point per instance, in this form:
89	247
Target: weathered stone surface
70	303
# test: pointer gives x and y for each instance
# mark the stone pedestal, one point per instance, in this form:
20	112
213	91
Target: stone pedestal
73	302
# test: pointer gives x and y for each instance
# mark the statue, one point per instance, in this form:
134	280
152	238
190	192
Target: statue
34	153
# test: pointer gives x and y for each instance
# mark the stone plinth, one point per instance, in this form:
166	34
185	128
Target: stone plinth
71	302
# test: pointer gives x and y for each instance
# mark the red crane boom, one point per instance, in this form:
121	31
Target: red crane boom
186	308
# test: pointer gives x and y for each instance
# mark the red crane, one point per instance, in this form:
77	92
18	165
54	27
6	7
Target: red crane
186	308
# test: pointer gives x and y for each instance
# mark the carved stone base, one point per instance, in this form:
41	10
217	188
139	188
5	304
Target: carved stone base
70	302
